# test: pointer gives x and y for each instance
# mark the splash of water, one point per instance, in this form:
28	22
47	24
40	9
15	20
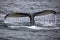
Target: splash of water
33	27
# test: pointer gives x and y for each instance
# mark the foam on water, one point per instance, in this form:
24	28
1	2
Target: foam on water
33	27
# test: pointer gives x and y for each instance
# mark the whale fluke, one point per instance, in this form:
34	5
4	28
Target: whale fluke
30	15
45	12
17	15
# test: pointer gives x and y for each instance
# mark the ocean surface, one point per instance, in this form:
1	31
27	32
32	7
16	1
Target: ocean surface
29	33
12	30
47	26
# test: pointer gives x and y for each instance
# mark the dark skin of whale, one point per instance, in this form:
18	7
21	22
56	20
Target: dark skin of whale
30	15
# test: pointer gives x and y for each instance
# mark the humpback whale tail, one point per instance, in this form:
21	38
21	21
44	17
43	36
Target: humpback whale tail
30	15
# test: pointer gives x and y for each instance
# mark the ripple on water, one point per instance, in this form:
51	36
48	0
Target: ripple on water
1	38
